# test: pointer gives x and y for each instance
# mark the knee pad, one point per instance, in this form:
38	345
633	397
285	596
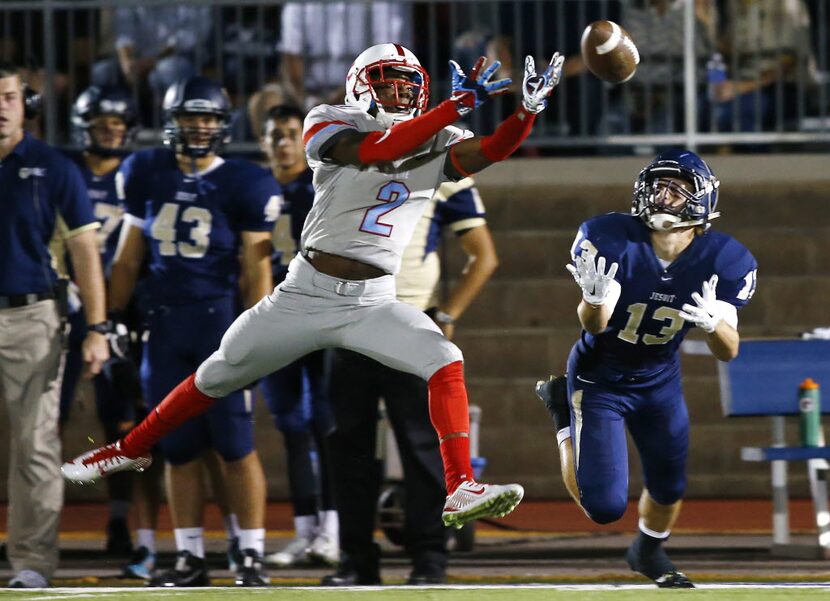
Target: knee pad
604	507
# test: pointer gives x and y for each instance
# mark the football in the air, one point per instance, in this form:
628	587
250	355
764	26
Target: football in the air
609	52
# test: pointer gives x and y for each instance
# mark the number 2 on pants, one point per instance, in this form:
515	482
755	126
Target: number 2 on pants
393	194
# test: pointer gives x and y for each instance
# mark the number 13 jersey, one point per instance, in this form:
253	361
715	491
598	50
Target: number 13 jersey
645	329
368	213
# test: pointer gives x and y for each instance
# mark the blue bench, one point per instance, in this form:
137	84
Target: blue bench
763	381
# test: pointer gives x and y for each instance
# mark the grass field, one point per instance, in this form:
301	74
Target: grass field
451	593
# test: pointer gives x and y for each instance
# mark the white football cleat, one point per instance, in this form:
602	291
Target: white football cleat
103	461
325	549
294	553
473	500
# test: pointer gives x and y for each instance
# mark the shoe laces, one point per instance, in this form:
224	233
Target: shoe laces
105	456
467	493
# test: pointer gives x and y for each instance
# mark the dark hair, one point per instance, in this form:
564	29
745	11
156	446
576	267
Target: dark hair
282	111
8	69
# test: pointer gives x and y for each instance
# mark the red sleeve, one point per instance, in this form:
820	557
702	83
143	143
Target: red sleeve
403	138
508	136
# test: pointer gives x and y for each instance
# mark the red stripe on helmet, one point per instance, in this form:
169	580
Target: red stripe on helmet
399	48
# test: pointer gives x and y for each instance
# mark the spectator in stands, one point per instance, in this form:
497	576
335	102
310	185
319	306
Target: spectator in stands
653	101
358	383
318	42
767	48
155	46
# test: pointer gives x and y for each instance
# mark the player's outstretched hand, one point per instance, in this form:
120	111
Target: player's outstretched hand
705	313
471	91
536	88
589	272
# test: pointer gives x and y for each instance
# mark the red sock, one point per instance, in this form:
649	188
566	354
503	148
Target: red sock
182	403
450	414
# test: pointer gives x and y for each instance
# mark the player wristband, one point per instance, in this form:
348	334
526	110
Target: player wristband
443	317
102	327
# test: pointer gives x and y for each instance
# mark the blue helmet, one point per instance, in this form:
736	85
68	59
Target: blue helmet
103	100
201	96
701	197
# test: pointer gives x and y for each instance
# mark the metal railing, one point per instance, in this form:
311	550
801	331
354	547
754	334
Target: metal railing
771	88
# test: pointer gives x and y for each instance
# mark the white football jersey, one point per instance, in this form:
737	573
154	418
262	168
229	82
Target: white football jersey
369	213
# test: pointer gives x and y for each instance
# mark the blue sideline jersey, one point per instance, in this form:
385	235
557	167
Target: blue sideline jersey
298	196
645	330
193	224
37	184
106	207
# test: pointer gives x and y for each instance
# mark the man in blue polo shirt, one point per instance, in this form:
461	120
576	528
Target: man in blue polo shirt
38	183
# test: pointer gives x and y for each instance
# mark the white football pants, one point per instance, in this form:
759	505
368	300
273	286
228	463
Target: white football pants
311	311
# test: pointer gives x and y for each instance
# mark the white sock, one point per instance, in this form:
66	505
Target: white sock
652	533
253	538
329	523
305	526
190	539
146	537
231	526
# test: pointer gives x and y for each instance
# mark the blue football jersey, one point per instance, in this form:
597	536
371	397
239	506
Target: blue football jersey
106	207
193	223
298	197
645	329
461	210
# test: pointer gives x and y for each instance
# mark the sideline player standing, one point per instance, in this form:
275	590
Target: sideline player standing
377	162
195	214
297	394
104	121
667	271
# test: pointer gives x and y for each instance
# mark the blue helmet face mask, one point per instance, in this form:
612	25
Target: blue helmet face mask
98	101
676	190
196	96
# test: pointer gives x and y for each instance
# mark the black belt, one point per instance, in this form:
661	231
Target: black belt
21	300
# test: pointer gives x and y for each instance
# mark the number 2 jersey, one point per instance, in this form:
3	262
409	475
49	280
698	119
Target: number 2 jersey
193	224
369	213
645	329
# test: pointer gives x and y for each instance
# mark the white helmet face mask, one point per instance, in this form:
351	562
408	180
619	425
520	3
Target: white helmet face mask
384	64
